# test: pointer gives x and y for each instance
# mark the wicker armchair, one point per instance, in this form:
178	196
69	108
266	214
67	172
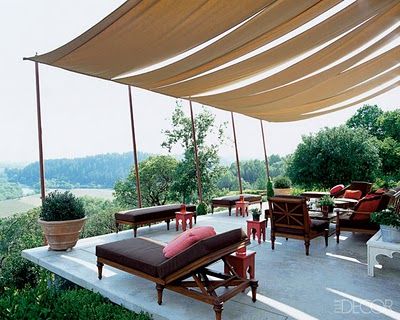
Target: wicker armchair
290	219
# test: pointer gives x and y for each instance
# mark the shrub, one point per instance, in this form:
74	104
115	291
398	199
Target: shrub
60	206
282	182
202	209
43	302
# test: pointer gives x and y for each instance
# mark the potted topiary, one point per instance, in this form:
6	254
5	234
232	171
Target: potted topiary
326	203
202	209
62	218
389	221
256	214
282	185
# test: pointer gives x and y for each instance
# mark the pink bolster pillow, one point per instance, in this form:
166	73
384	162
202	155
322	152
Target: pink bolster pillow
336	189
186	239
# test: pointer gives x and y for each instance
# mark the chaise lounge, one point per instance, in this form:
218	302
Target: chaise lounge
146	216
144	258
230	201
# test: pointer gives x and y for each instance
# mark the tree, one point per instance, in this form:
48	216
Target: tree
335	155
366	118
181	134
157	175
389	125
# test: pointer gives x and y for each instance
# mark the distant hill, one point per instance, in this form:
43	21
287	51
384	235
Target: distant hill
99	171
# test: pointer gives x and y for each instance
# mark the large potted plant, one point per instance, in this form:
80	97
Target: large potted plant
389	221
326	203
62	218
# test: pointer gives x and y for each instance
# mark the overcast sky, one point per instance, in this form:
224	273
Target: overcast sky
86	116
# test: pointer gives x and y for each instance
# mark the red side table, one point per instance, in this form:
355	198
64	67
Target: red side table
242	264
257	228
242	207
184	217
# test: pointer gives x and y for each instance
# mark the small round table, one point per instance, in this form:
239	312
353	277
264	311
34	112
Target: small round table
243	264
257	228
242	207
184	217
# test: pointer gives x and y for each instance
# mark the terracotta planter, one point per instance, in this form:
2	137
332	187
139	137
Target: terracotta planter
62	235
286	191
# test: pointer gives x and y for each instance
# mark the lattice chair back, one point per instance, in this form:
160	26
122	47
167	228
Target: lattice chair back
289	212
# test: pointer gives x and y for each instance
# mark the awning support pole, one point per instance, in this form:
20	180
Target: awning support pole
265	149
237	154
196	156
139	195
39	122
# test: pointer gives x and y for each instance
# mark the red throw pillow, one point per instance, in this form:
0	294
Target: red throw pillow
336	189
186	239
352	194
366	206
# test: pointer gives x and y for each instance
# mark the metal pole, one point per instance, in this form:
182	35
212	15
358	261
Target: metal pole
237	154
198	175
139	195
265	149
39	121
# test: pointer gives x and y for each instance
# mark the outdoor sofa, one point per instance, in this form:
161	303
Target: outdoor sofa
144	258
229	201
146	216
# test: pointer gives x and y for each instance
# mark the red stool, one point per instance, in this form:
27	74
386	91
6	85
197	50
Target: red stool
184	217
257	228
242	207
242	264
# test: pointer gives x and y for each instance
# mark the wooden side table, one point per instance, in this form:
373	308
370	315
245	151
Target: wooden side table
184	217
257	228
242	207
243	264
376	246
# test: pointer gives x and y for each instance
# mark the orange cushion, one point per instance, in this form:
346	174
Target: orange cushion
366	206
186	239
352	194
336	189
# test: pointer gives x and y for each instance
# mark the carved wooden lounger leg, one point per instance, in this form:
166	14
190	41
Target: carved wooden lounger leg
218	307
160	289
100	270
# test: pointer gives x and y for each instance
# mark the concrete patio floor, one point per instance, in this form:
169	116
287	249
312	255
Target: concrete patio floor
331	283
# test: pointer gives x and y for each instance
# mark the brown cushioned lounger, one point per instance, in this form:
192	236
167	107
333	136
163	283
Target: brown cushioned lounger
230	201
143	216
144	258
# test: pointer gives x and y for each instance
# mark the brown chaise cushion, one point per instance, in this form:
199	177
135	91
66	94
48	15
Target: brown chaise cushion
230	200
137	253
151	213
147	256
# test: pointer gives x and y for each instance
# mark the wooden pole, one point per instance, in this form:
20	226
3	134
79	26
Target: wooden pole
265	149
139	195
237	154
39	122
196	156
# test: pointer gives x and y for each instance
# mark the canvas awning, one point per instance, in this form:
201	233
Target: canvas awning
301	59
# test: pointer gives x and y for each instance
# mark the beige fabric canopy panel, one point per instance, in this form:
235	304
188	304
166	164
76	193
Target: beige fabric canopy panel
187	48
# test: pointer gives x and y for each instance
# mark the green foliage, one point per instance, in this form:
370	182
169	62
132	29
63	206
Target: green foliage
333	156
99	171
43	302
270	188
157	175
386	127
61	206
366	118
387	217
282	182
202	209
384	182
9	190
326	201
17	233
185	183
